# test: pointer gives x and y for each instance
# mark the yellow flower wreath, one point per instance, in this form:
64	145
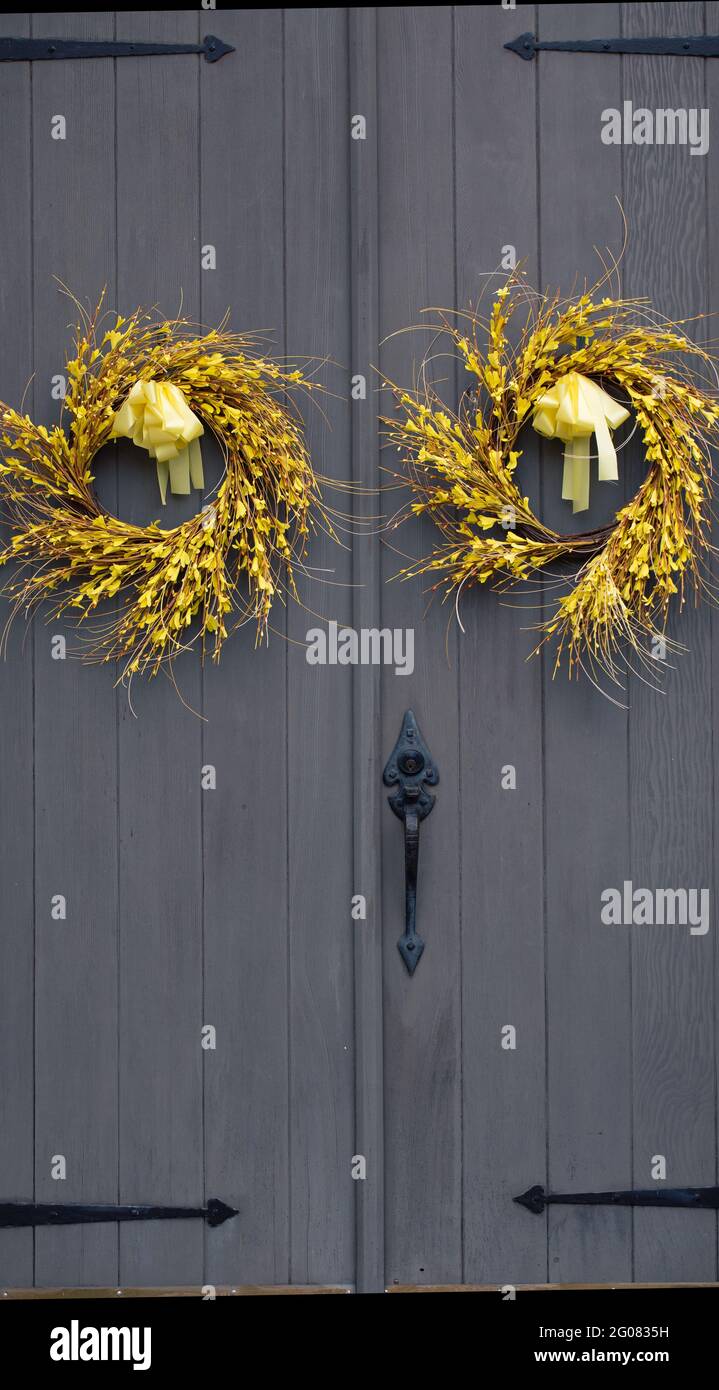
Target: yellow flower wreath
71	550
461	466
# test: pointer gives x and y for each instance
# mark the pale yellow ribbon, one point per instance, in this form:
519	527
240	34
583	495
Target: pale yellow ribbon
157	418
573	410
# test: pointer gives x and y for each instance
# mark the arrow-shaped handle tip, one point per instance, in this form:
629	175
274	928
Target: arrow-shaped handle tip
215	48
410	949
218	1211
524	46
533	1199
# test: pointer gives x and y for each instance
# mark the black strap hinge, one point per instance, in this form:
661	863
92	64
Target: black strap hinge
701	46
41	50
535	1199
16	1214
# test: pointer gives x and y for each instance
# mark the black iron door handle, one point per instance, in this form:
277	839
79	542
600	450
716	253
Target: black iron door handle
411	769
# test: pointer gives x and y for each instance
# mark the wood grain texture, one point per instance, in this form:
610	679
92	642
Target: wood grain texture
75	710
366	710
282	1290
712	251
535	1288
670	732
245	705
588	988
422	1013
501	710
160	744
17	946
319	744
179	1291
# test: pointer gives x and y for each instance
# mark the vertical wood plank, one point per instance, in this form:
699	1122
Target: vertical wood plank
366	714
16	692
245	820
712	160
586	817
161	1134
501	712
75	708
670	741
319	748
422	1012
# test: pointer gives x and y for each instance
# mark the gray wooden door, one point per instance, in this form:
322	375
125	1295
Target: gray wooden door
232	907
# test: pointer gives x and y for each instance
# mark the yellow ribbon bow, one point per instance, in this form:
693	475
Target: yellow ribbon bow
156	417
573	410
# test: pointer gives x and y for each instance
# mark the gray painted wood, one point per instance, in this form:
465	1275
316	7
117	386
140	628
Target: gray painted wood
319	744
75	796
17	946
423	1151
501	712
232	907
712	89
160	750
245	705
586	845
366	610
670	734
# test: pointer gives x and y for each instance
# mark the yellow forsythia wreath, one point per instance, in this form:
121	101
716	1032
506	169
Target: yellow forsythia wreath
253	532
461	466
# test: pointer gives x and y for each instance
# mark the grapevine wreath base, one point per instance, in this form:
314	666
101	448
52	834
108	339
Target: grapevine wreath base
462	466
70	550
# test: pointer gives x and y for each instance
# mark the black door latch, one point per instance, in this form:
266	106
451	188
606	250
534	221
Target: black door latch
411	770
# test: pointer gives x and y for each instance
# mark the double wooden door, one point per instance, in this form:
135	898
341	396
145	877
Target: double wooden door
232	906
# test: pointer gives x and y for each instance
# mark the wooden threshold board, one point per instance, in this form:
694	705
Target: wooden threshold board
187	1291
533	1288
261	1290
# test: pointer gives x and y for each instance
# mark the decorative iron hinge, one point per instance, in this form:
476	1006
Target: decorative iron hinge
535	1199
701	46
72	1214
409	767
39	50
